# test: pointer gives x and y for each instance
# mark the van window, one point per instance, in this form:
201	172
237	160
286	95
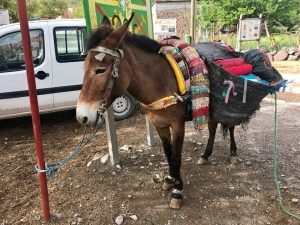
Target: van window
69	44
11	50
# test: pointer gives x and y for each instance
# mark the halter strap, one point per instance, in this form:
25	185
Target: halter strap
114	74
117	54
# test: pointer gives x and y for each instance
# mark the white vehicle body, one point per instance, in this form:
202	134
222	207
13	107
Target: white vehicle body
56	48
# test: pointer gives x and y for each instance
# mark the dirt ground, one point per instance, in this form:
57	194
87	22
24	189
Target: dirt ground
287	66
98	193
89	192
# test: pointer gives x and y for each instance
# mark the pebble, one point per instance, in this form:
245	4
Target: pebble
133	157
188	159
157	178
140	150
199	143
119	220
152	155
118	166
59	215
125	148
142	167
129	196
79	220
295	200
134	217
258	188
104	158
73	223
96	157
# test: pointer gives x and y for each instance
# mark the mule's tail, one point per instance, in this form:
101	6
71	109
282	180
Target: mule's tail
224	130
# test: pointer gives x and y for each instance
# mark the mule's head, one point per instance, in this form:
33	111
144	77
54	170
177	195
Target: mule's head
105	77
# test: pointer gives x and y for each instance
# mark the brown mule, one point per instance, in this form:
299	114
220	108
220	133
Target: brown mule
118	61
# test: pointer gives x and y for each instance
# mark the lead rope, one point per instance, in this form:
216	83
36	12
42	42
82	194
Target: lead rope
279	197
52	168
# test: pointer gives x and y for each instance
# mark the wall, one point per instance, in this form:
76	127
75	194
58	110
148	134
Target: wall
179	10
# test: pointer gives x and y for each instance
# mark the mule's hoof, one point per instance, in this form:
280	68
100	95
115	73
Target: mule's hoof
175	203
203	161
167	186
234	160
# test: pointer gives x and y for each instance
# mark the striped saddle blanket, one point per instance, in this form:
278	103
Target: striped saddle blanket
192	77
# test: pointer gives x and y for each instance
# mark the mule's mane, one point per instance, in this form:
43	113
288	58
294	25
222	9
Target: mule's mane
139	41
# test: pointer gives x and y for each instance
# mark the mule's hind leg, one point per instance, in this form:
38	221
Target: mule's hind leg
212	127
233	155
165	136
175	164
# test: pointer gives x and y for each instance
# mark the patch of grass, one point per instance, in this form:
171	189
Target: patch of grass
276	42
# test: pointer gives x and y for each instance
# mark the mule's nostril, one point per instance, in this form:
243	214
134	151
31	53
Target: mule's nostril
84	120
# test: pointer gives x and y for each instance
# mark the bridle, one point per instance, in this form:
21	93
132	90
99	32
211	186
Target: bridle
117	54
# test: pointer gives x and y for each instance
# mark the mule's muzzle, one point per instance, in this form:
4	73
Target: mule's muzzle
86	115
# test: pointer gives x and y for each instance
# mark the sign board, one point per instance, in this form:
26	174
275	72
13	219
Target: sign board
165	27
4	17
249	29
119	11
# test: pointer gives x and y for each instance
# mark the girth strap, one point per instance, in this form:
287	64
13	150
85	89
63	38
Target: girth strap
162	103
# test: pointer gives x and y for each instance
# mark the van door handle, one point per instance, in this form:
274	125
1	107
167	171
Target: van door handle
41	75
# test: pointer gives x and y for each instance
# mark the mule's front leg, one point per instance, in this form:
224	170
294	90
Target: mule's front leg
175	164
165	136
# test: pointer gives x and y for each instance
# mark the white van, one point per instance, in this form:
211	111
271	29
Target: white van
56	50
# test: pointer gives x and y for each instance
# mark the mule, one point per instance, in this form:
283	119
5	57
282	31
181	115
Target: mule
118	61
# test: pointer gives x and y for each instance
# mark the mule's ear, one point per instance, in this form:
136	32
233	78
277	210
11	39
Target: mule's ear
105	22
117	35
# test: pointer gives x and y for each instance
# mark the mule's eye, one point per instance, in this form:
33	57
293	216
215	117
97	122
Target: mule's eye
100	71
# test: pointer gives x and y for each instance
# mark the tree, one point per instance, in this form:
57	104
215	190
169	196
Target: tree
46	9
49	9
227	12
11	6
78	10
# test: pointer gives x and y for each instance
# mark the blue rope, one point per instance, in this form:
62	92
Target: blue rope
279	85
52	168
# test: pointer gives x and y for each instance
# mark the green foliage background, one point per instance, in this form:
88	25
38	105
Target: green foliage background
49	9
226	13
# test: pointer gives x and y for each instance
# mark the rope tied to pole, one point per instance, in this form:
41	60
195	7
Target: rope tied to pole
52	168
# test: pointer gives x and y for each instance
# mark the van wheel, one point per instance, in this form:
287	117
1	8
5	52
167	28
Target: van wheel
124	106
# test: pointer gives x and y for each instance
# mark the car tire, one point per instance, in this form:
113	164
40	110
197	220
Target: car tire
124	107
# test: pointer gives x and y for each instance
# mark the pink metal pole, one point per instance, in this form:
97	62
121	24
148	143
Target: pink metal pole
34	106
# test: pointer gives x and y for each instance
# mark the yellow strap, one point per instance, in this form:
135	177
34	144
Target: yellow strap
159	103
178	73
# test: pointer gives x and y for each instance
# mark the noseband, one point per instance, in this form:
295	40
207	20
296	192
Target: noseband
118	54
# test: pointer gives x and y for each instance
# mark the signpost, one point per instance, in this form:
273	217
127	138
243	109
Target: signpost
165	27
4	17
249	30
